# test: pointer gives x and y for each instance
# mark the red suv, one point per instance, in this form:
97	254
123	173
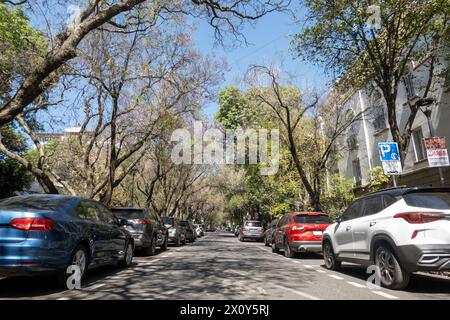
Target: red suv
300	232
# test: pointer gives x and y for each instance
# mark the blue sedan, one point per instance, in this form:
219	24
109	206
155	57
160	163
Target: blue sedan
49	233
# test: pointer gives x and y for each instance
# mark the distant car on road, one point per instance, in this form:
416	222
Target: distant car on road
252	229
147	229
189	229
177	234
199	230
400	230
300	232
268	234
49	233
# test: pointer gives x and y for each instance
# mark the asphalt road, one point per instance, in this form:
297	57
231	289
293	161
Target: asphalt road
218	266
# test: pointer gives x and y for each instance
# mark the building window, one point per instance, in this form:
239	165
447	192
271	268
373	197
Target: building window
357	172
418	144
378	116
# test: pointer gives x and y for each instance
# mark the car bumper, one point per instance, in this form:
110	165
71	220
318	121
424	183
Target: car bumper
306	246
425	257
253	236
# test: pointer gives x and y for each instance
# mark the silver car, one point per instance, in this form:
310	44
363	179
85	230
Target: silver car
252	229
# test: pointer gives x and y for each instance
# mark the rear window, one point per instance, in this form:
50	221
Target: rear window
253	224
129	213
431	200
167	220
312	219
184	223
34	203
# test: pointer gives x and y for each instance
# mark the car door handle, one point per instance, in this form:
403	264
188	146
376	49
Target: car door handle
348	228
372	224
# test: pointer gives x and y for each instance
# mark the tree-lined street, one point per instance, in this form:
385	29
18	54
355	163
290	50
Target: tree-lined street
218	266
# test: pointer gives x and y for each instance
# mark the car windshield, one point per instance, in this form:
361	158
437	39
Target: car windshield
431	200
319	219
253	224
34	203
129	213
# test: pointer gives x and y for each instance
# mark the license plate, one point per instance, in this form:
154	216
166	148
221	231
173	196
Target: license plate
317	233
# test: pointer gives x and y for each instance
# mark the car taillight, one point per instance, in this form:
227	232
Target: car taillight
421	217
32	224
139	221
297	228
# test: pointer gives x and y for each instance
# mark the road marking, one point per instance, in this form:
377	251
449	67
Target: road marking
308	266
296	261
97	286
384	294
170	253
335	277
321	271
355	284
300	293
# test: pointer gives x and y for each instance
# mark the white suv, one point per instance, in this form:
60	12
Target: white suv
400	230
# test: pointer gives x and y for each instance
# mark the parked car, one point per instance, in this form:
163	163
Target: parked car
199	230
189	229
48	233
300	232
146	227
251	230
400	230
177	234
268	234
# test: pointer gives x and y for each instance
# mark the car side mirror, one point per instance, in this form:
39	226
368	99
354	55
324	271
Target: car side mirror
339	218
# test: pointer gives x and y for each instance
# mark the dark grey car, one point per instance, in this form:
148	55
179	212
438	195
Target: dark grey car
189	229
147	229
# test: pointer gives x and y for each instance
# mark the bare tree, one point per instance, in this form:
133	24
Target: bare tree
311	129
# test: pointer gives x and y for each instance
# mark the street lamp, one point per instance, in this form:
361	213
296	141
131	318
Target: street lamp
426	103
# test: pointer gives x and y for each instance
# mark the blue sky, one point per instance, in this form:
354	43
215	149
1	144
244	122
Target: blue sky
269	42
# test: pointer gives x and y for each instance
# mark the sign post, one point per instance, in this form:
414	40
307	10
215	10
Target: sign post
390	159
437	155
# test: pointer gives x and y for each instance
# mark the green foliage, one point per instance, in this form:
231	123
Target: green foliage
232	107
339	195
13	176
378	180
21	45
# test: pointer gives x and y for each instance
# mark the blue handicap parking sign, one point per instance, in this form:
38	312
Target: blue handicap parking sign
389	151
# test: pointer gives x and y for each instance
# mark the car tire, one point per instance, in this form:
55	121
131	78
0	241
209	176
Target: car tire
151	250
76	259
128	257
275	248
288	253
165	244
329	258
392	274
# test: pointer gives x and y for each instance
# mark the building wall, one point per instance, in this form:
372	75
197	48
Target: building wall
414	172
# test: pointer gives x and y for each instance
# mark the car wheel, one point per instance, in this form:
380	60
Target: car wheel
329	257
288	253
164	245
275	248
151	250
128	258
79	258
392	274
